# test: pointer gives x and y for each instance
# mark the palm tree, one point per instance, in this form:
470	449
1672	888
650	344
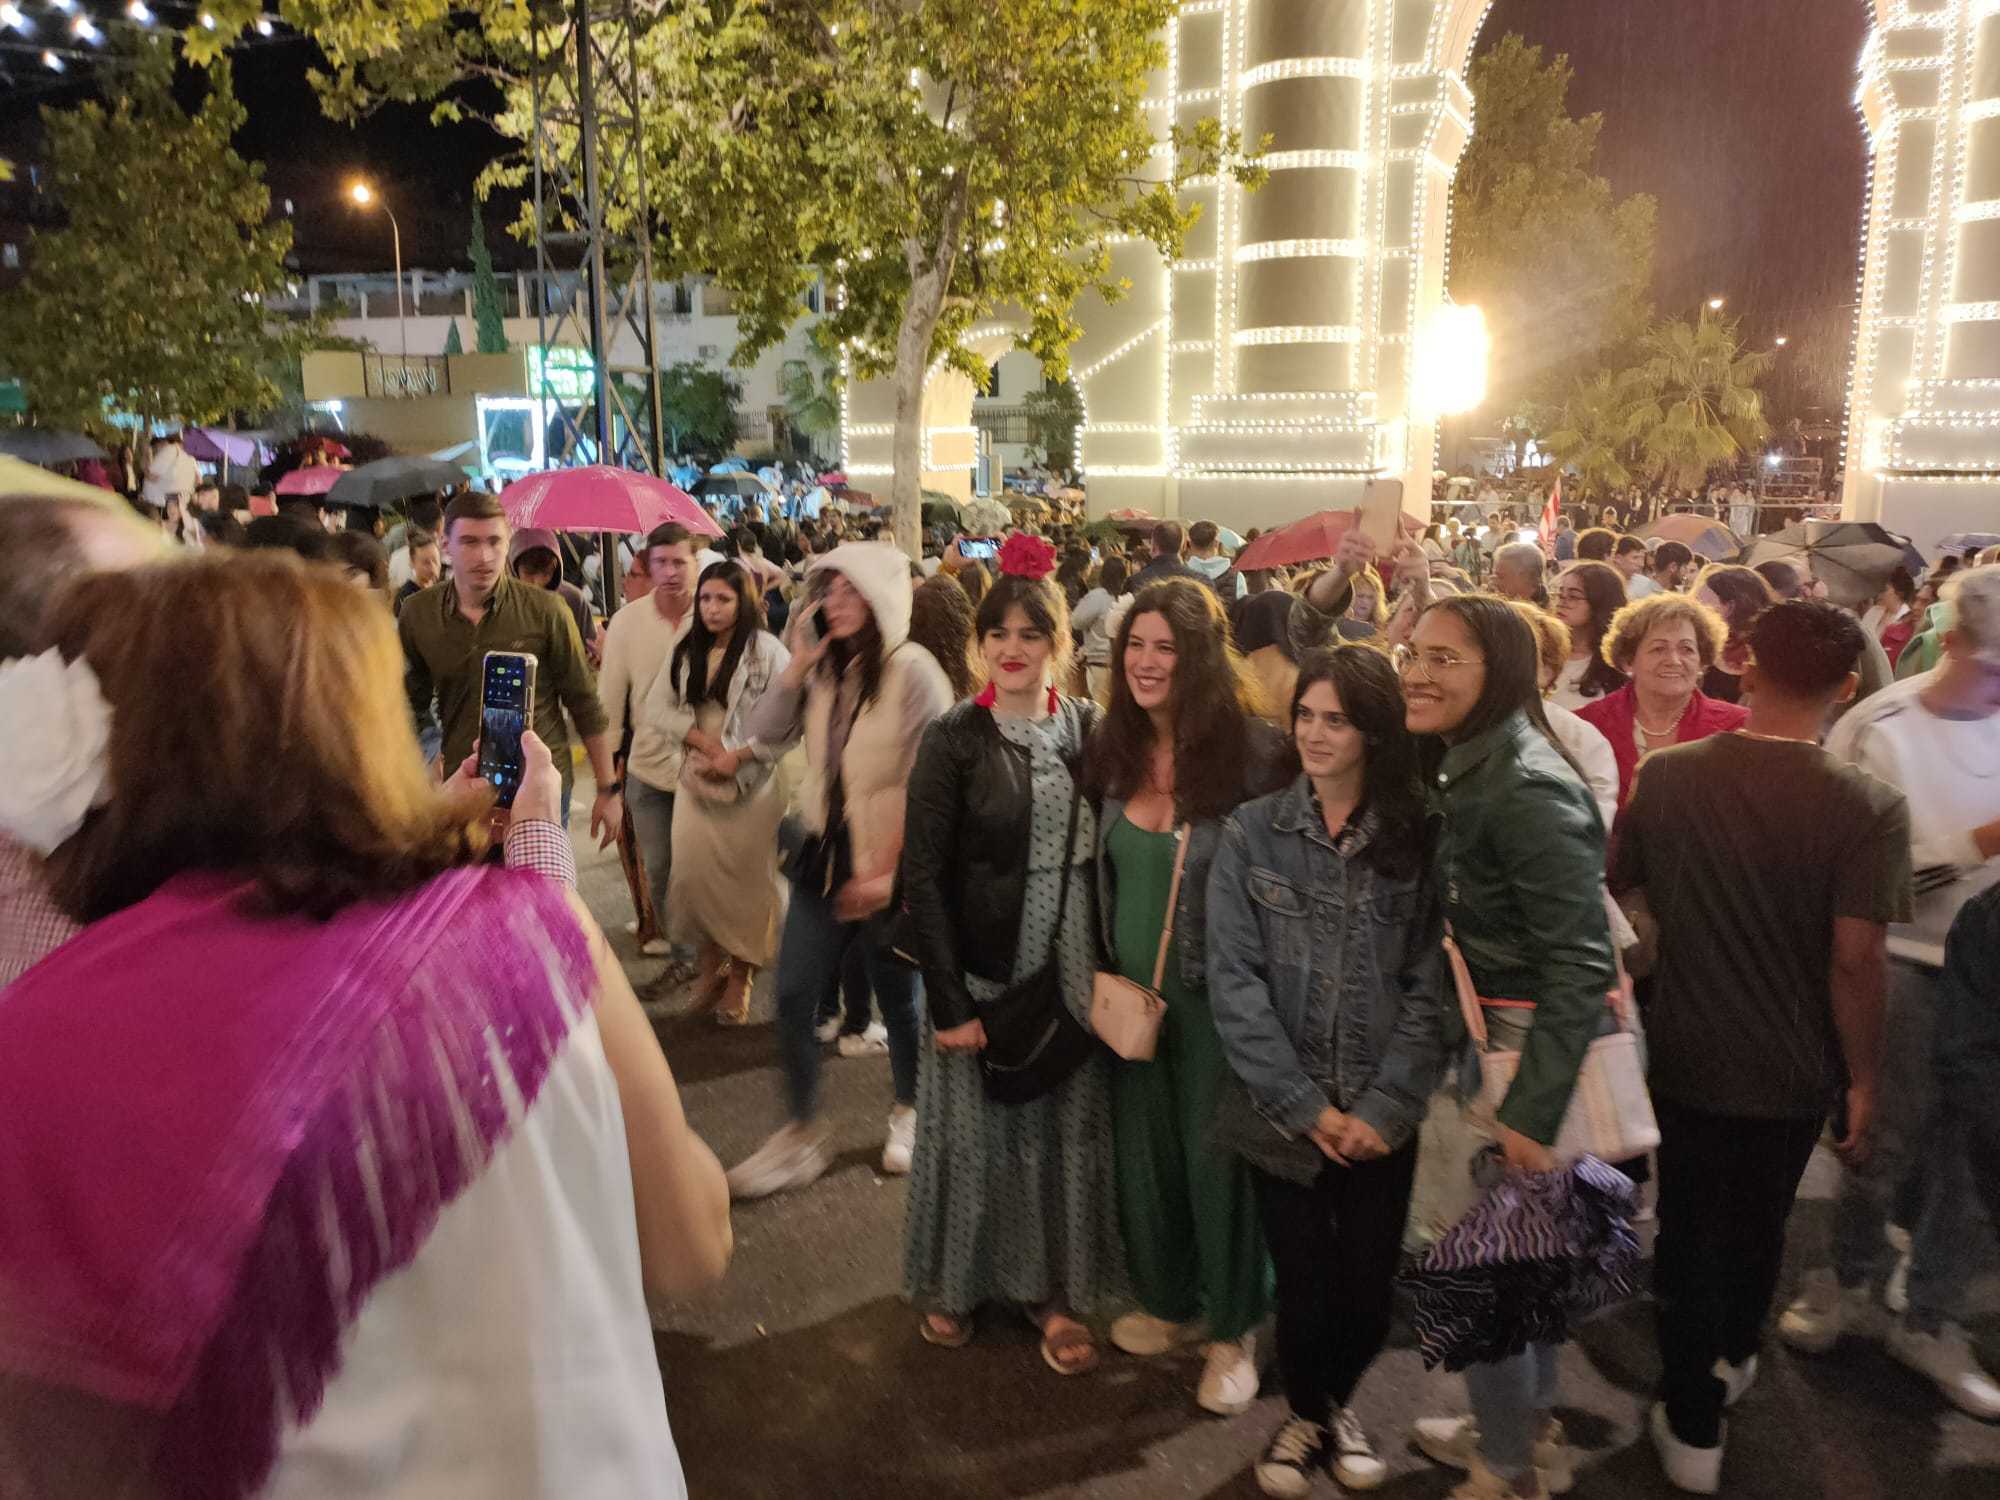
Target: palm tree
1693	399
1594	431
810	399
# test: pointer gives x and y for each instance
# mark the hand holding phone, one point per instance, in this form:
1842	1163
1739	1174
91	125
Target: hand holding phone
979	548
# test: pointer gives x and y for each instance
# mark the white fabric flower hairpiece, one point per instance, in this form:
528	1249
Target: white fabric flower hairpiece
55	763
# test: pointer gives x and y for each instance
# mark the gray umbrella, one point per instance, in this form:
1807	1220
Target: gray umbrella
1858	554
388	480
47	445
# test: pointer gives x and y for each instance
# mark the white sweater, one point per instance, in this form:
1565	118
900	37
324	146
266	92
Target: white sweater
637	643
1949	769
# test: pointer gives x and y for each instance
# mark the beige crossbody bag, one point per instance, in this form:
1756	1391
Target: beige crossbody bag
1126	1016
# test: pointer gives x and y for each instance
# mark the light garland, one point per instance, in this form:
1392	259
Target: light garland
1300	250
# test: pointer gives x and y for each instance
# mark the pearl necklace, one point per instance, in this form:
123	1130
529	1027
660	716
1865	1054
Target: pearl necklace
1653	734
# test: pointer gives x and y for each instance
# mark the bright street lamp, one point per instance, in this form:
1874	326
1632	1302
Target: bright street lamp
1451	361
1782	340
1715	304
366	197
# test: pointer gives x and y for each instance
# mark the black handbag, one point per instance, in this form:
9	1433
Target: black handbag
1033	1040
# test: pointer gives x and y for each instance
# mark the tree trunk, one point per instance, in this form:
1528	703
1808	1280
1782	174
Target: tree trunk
913	347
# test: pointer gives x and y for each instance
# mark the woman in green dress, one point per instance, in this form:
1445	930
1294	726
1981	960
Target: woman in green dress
1009	1203
1180	748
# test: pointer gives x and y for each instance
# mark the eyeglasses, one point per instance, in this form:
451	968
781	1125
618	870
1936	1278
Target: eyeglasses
1427	664
1572	596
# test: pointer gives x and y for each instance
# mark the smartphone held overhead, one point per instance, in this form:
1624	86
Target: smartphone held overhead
506	712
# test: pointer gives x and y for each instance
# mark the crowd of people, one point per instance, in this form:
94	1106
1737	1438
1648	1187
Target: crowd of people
1172	891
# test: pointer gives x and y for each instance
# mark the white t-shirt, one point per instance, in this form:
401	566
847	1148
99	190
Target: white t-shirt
1949	769
1568	690
170	472
1640	586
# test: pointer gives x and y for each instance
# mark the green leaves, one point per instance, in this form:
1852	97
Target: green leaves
150	300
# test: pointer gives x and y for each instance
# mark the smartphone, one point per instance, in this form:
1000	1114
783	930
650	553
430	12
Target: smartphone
1381	517
979	548
506	711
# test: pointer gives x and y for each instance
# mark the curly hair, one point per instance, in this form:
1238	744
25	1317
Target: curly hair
1639	619
941	621
1551	639
1213	698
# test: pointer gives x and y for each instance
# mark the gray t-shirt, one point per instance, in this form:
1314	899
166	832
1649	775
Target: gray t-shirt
1748	850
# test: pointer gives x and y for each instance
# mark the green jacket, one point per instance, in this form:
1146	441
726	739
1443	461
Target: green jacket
1520	870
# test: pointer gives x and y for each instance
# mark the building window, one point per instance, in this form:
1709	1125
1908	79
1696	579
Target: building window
992	386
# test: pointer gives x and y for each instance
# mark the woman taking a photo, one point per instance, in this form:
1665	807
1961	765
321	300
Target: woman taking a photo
1664	642
1180	748
1334	1077
1008	1202
861	696
1739	595
1518	868
722	894
403	1142
1587	595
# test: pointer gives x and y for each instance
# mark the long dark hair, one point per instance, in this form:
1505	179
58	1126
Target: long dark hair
689	668
864	646
1604	589
1214	699
1040	600
941	621
1392	787
1513	671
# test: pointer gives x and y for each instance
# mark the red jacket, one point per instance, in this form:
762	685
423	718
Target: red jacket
1614	714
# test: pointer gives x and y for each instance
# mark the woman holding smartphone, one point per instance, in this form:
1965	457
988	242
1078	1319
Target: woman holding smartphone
860	694
723	893
1519	870
1018	1202
1180	748
1327	980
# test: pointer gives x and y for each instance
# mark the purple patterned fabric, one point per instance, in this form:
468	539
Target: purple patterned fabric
1540	1251
220	1131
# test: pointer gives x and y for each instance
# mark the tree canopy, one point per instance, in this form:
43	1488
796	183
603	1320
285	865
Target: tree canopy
698	409
1562	268
149	300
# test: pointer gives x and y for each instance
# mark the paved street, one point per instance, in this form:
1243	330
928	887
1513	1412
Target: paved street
803	1375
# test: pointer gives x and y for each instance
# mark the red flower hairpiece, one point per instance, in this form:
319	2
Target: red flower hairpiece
1027	556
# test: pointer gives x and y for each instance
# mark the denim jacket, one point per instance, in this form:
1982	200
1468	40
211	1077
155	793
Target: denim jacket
1326	977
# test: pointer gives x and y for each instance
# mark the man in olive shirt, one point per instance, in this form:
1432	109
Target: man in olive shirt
1773	870
448	629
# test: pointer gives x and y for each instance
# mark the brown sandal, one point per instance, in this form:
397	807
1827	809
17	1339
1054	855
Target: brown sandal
1060	1344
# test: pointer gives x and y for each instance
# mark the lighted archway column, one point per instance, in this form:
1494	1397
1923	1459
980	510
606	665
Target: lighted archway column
1927	376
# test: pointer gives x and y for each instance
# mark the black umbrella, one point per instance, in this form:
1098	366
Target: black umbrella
47	445
387	480
743	486
1852	558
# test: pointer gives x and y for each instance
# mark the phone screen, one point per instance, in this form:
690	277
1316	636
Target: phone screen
979	549
506	710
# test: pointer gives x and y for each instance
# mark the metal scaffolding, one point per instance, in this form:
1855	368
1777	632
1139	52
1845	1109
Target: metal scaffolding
593	229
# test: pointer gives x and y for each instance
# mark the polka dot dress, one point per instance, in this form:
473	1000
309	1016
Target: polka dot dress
1018	1202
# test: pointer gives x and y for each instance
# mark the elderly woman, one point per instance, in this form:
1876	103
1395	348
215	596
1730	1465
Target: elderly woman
1664	643
1739	595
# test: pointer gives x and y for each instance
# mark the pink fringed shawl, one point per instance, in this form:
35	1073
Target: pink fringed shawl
219	1132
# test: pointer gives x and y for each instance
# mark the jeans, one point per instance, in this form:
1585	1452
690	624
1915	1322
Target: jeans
1510	1401
653	829
1334	1246
1919	1164
809	974
1726	1191
852	992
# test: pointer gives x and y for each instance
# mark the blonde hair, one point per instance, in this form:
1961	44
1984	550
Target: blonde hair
1551	640
280	752
1642	617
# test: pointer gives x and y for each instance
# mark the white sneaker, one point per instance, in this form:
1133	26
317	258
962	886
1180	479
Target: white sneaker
902	1142
793	1157
657	948
1896	1291
1356	1465
1823	1312
1229	1378
1737	1378
632	928
1481	1483
1146	1337
867	1043
1695	1470
827	1030
1947	1359
1285	1470
1454	1442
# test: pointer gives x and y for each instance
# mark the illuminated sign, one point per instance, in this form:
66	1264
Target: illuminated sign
561	373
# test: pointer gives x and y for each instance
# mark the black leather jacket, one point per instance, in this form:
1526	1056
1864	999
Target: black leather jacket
967	825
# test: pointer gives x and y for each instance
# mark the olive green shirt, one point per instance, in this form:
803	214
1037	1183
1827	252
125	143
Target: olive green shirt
444	654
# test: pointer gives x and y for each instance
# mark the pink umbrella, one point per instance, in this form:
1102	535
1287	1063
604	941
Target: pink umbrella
213	446
316	480
598	497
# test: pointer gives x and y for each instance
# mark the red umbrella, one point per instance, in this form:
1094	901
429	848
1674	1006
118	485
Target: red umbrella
1314	539
316	480
598	497
1130	513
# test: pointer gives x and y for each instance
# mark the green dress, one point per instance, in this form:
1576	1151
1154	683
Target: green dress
1192	1239
1018	1202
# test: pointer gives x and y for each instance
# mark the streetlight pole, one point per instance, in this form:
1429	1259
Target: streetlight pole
365	196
